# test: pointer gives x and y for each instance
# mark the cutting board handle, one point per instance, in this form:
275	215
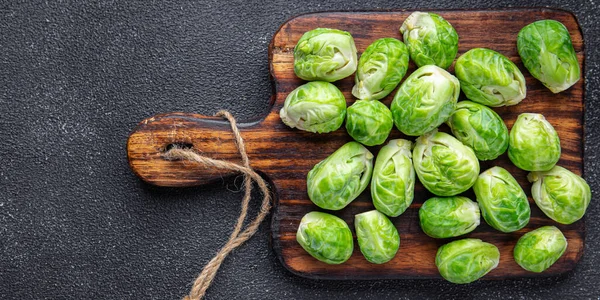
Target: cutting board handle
209	136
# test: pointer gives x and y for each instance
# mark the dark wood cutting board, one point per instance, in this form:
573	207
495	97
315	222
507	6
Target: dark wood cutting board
286	155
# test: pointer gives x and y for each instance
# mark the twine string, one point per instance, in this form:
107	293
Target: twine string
237	237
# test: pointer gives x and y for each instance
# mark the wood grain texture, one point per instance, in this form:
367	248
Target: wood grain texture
286	155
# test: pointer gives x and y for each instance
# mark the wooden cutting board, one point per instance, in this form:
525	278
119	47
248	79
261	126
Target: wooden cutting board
286	155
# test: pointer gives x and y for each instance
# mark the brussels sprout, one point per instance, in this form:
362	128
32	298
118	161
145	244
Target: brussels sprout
316	106
502	201
480	128
425	100
547	52
431	40
448	217
369	122
377	237
489	78
539	249
325	237
466	260
380	69
443	164
561	194
533	144
337	180
325	54
393	183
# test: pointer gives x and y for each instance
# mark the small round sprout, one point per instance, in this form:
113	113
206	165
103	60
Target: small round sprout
448	217
425	100
502	201
369	122
337	180
325	54
377	236
325	237
431	40
561	194
443	164
466	260
316	106
393	182
489	78
480	128
539	249
533	144
380	69
547	52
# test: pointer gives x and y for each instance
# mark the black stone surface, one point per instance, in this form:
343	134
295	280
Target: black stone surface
75	223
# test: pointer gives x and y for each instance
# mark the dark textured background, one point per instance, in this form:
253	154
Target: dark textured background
75	223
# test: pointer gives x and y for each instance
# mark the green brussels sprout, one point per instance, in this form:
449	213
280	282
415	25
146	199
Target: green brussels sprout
561	194
325	54
480	128
547	52
539	249
337	180
533	144
431	40
502	201
377	236
443	164
490	78
316	106
425	100
448	217
325	237
466	260
393	182
380	69
369	122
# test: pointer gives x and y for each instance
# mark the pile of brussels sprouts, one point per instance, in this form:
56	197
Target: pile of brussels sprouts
446	165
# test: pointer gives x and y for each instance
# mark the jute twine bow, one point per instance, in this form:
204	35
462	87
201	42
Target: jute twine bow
237	237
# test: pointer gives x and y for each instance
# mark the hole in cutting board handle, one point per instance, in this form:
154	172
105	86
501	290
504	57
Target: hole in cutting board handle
180	145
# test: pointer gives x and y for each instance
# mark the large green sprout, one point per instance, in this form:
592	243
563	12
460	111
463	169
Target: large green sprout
316	106
380	69
325	237
533	144
431	40
489	78
444	165
547	52
480	128
425	100
561	194
466	260
539	249
393	182
369	122
325	54
377	236
502	201
445	217
337	180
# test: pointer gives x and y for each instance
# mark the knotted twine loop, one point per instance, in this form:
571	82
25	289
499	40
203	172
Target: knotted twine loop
236	238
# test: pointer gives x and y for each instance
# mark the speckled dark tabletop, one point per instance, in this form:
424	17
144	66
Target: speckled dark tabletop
75	223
